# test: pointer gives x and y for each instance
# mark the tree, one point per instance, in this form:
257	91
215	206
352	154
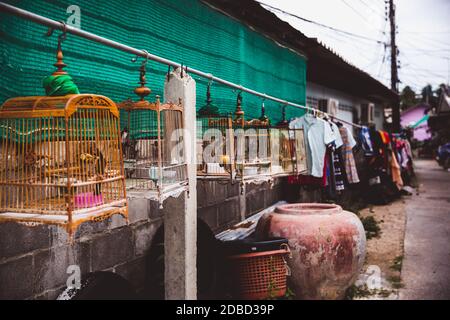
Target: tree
427	94
407	98
439	90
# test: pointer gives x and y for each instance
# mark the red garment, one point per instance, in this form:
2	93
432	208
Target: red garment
385	137
310	180
305	180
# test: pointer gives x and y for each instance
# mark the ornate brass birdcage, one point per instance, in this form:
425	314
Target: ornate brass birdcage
299	149
215	142
253	149
297	138
60	158
152	143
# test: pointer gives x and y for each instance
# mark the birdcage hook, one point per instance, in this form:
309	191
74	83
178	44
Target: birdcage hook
169	68
134	59
263	108
142	91
62	36
239	98
208	93
239	113
59	54
283	113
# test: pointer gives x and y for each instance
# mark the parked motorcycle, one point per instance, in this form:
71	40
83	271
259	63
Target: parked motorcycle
443	156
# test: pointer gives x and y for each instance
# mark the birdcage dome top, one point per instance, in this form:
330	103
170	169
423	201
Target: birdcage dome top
35	106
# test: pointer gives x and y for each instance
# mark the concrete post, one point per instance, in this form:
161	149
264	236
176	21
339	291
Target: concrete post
180	228
242	200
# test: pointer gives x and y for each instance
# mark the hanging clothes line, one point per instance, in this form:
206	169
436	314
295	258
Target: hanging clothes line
27	15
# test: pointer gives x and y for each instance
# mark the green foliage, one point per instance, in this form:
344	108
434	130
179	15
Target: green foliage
397	263
407	98
396	282
371	227
354	292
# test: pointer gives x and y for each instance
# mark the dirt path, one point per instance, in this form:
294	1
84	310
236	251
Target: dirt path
381	272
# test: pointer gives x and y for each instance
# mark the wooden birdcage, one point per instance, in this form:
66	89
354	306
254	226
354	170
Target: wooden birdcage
215	142
297	138
253	149
283	148
60	156
152	143
299	150
61	160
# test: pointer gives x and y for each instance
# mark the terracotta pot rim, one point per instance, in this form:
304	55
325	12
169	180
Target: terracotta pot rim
308	208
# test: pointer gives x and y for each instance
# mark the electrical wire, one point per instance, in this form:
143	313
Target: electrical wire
372	9
320	24
363	18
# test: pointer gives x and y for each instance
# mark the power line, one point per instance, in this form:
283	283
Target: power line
423	71
428	32
383	35
372	9
424	51
321	24
341	38
434	42
355	11
382	62
363	17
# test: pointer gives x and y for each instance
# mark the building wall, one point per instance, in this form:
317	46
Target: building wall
412	115
378	117
315	92
188	32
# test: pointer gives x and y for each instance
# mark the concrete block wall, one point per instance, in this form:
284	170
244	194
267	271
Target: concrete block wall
34	260
219	202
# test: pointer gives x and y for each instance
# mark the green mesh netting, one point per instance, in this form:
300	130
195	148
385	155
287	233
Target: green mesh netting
184	31
140	124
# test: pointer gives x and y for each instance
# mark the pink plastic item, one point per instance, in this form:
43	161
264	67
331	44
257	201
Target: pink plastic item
87	200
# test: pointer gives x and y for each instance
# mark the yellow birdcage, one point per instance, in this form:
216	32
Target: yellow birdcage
152	143
60	160
283	148
60	157
215	142
252	140
297	139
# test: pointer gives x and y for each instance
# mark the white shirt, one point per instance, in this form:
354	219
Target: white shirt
336	134
351	139
318	135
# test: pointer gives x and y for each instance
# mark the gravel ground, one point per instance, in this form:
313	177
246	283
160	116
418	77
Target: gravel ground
381	274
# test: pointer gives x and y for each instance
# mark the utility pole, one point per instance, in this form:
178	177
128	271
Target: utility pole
394	69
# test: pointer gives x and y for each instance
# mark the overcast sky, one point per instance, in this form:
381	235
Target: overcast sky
423	35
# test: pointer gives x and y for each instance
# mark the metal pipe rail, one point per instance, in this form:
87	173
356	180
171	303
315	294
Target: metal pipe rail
27	15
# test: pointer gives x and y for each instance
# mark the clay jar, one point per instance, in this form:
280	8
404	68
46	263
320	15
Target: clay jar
328	247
